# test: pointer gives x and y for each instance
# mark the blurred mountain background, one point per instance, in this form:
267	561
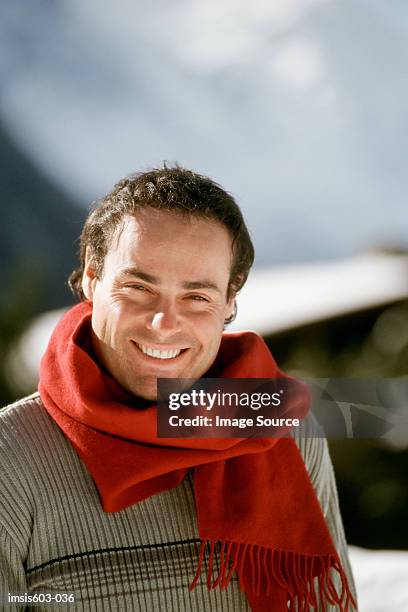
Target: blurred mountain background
38	243
298	107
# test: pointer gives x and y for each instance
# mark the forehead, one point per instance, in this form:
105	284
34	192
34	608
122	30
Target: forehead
169	242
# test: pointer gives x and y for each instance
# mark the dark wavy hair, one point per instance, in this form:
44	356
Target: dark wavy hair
170	189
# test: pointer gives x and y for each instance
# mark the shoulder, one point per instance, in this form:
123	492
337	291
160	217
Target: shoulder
19	405
12	415
27	435
18	422
18	419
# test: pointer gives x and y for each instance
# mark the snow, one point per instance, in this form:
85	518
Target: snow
381	579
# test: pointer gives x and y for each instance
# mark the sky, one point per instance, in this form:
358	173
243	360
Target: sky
297	107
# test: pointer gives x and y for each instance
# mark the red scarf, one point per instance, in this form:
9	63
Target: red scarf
256	506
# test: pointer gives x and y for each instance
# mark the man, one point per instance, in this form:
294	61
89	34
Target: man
96	508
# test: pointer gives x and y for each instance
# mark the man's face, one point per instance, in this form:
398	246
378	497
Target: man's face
160	305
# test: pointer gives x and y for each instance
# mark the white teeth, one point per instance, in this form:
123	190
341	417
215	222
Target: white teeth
159	354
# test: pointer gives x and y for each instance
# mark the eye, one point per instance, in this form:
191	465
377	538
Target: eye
137	287
198	298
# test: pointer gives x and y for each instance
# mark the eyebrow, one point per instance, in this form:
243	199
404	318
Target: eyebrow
149	278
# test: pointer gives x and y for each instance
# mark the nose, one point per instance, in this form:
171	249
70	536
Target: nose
164	322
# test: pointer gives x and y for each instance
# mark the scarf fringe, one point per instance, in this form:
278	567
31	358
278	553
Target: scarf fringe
293	572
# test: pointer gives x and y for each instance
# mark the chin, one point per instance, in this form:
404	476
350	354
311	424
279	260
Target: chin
150	397
147	392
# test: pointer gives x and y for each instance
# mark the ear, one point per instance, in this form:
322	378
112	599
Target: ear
89	278
232	310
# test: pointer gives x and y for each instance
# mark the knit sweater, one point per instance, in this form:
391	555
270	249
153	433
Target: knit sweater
55	537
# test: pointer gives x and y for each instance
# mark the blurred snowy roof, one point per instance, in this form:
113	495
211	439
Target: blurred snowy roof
284	297
273	300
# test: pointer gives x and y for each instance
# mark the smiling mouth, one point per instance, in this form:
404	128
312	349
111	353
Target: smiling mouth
158	354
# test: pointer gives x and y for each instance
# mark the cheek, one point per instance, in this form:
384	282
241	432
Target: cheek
100	324
107	320
207	322
209	331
